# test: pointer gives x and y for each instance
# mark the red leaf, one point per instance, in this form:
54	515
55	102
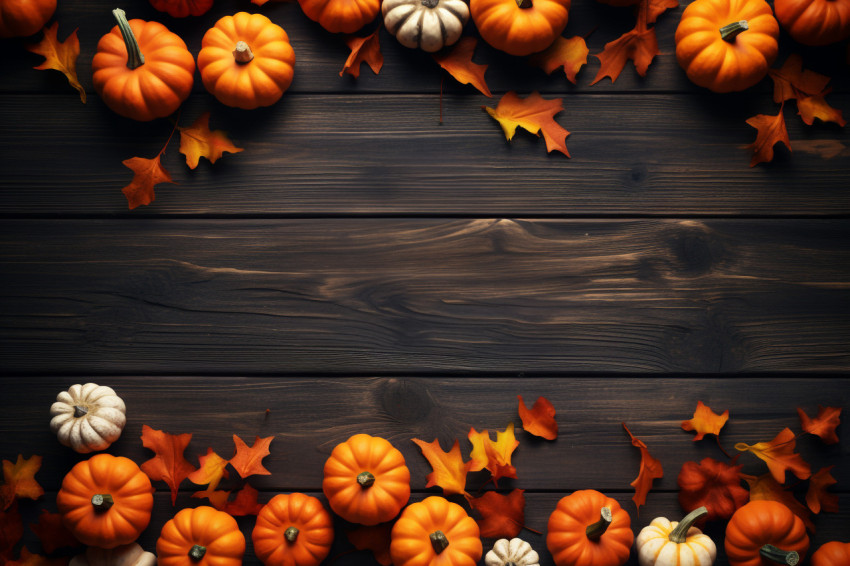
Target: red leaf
658	7
568	54
375	539
811	107
779	456
501	515
705	421
363	50
640	45
217	498
764	487
52	533
449	469
245	502
19	480
29	559
817	497
712	484
771	130
147	173
823	425
168	465
792	81
248	461
458	63
11	531
540	420
650	469
60	55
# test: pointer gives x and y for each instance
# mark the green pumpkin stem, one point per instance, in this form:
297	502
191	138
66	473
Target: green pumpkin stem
680	533
785	557
524	4
438	541
243	53
102	501
291	534
365	479
80	411
730	31
135	58
197	552
595	531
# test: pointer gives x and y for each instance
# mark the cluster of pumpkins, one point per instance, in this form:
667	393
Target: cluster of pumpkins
106	502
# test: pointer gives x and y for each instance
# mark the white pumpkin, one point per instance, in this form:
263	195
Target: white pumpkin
515	551
427	24
88	417
666	543
128	555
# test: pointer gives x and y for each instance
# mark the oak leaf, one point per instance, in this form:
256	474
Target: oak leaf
495	456
29	559
764	487
60	55
640	45
52	532
449	469
502	516
248	461
817	498
568	54
540	419
811	107
792	81
713	484
211	471
779	456
771	130
169	464
364	50
533	113
650	469
198	141
19	480
458	63
823	425
147	173
705	421
11	531
376	539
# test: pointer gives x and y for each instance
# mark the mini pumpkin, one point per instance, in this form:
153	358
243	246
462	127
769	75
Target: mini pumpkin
22	18
727	45
293	530
246	61
366	480
765	529
182	8
588	528
105	501
88	417
814	22
341	16
427	24
520	27
435	531
514	552
128	555
202	536
665	543
833	553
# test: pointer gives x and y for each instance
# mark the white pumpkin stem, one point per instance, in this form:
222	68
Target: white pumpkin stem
102	501
365	479
730	31
595	531
291	534
197	552
524	4
243	53
786	557
80	411
438	541
135	58
680	533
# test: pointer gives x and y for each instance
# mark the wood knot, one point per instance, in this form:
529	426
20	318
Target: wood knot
405	400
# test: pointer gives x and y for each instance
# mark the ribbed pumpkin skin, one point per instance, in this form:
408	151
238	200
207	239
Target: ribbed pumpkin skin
428	25
22	18
567	538
411	545
833	553
305	513
506	26
371	505
720	65
655	548
98	428
106	474
182	8
204	526
341	16
763	522
154	90
814	22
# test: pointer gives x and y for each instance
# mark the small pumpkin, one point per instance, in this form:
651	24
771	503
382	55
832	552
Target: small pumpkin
182	8
427	24
141	70
246	61
761	531
366	480
128	555
833	553
202	536
22	18
293	530
520	27
435	531
516	552
588	528
105	501
88	417
341	16
727	45
662	543
814	22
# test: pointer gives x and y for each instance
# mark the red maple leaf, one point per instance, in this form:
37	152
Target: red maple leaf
640	45
823	425
771	130
52	533
245	502
248	461
501	515
540	419
650	469
169	464
817	498
11	531
19	480
712	484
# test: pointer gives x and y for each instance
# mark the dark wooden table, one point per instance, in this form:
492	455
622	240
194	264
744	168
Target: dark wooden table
361	267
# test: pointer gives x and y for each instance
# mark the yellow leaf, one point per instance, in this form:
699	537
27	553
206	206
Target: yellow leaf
449	469
211	471
198	141
705	421
568	54
60	56
494	456
779	456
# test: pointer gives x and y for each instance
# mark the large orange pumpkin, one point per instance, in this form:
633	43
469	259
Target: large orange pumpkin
765	529
200	537
341	16
833	553
814	22
435	532
105	501
727	45
141	70
293	530
21	18
182	8
520	27
588	528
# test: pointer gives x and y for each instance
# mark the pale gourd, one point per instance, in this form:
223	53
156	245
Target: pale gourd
665	543
515	551
88	417
427	24
128	555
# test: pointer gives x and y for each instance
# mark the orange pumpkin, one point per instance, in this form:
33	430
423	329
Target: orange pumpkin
341	16
727	45
200	537
435	531
105	501
246	61
520	27
814	22
590	529
141	70
293	530
182	8
21	18
833	553
765	529
366	480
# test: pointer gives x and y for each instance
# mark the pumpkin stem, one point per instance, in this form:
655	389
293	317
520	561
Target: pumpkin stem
595	531
135	58
430	3
786	557
680	533
524	4
365	479
79	411
290	534
197	552
730	31
102	501
242	53
438	541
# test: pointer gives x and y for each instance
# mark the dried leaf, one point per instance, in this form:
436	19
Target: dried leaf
245	502
198	141
811	107
375	539
705	421
29	559
248	461
211	471
60	56
168	465
11	531
52	533
147	174
771	130
217	498
568	54
640	45
823	425
713	484
792	81
764	487
817	498
364	50
540	420
658	7
458	63
501	515
494	456
650	468
449	469
533	113
779	456
19	480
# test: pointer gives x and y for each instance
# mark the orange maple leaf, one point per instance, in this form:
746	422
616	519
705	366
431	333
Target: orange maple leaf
823	425
764	487
363	50
817	497
52	533
211	471
771	130
29	559
533	113
568	54
640	45
19	480
448	468
494	456
168	465
792	81
198	141
375	539
60	55
248	461
540	419
11	531
217	497
650	468
705	421
146	174
657	7
811	107
458	63
779	456
501	515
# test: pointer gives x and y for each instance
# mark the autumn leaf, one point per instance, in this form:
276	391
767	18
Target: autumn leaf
650	469
823	425
817	498
19	480
771	130
29	559
198	141
640	45
52	533
245	502
568	54
363	50
211	471
458	63
713	484
811	107
449	469
779	456
540	419
147	173
60	56
248	461
658	7
501	515
375	539
764	487
494	456
705	421
168	465
792	81
11	531
217	498
533	113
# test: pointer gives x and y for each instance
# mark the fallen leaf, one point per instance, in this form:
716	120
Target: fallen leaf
533	113
11	531
248	461
791	80
211	471
658	7
811	107
375	539
29	559
168	465
147	174
52	533
198	141
245	502
449	469
568	54
363	50
19	480
640	45
817	498
493	456
713	484
217	498
458	63
650	469
825	149
705	421
764	487
60	56
502	516
771	130
823	425
779	456
540	420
